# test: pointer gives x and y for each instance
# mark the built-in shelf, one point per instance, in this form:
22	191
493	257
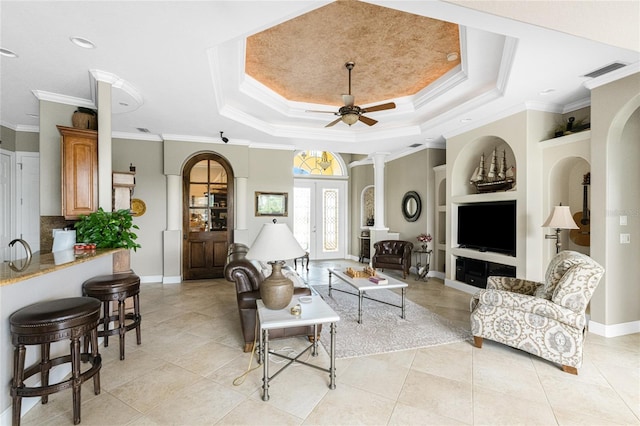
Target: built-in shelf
480	198
571	138
485	255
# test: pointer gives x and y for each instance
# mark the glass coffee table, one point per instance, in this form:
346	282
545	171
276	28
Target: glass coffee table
363	285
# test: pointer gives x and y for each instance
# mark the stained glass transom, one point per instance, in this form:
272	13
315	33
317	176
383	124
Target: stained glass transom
316	163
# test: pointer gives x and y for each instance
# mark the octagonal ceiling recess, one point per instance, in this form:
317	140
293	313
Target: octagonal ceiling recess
396	53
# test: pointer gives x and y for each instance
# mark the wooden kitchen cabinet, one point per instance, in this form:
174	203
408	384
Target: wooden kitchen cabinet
79	165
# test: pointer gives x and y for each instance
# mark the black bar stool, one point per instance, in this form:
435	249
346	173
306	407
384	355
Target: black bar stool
52	321
111	288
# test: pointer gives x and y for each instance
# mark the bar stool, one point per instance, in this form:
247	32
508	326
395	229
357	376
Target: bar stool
52	321
116	287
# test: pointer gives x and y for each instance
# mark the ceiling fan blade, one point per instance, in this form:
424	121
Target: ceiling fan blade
390	105
368	121
333	122
324	112
348	100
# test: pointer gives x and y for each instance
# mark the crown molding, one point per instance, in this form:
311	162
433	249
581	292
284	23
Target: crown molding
42	95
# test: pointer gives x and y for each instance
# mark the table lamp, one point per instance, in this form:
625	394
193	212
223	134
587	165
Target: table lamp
274	244
560	218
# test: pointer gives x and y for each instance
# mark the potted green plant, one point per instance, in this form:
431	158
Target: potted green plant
107	229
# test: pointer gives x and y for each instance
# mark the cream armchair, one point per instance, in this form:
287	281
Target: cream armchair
545	319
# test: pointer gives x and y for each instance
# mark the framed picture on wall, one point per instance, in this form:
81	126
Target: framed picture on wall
271	203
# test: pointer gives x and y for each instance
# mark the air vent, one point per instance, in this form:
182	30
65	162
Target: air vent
143	130
415	145
604	70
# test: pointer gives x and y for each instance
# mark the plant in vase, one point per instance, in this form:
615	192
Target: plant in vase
424	240
108	229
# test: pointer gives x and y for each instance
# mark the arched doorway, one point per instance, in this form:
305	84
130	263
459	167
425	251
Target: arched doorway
207	212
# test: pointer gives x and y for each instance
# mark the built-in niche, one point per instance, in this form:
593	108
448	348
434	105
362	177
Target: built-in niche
468	161
367	212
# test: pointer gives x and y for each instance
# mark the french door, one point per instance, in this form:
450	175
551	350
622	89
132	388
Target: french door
320	217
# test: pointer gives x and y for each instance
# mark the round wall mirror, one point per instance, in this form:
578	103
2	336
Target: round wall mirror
411	206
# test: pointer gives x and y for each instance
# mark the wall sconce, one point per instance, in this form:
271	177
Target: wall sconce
560	218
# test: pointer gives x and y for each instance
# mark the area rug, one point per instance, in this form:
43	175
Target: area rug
382	329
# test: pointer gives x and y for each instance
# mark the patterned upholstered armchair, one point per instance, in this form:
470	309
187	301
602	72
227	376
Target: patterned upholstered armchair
545	319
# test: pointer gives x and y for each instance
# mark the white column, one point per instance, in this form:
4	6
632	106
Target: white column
241	203
378	179
104	146
174	203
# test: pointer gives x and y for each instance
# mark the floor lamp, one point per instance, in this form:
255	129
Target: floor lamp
559	219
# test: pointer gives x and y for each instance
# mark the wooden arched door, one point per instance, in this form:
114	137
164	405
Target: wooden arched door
208	213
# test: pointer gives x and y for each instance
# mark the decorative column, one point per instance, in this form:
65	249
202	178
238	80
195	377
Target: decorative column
173	235
378	179
104	146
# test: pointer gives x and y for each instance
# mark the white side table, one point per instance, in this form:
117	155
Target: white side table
314	313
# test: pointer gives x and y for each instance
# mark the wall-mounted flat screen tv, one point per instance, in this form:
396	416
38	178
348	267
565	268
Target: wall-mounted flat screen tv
489	226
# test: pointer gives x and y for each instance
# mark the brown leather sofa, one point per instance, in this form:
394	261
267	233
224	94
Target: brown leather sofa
392	254
247	275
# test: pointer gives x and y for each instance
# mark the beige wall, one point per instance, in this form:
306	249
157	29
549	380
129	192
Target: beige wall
18	141
615	154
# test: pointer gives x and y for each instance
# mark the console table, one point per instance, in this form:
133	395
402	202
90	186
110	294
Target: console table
313	313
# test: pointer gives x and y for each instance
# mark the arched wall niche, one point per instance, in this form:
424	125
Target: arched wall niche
367	206
564	186
469	159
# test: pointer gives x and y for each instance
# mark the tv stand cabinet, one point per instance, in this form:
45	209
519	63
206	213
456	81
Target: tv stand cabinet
475	272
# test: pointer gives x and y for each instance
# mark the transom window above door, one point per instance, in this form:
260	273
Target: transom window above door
323	163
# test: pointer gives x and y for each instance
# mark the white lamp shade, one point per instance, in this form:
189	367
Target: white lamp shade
560	218
275	242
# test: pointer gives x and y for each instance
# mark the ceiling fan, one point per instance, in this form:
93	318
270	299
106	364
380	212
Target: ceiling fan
351	113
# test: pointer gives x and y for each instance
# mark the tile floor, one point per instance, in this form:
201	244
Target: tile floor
184	372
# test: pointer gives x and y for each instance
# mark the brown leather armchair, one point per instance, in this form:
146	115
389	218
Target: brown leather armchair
392	254
247	275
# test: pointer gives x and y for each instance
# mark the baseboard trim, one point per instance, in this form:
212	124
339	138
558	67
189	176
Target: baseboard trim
151	279
172	280
461	286
614	330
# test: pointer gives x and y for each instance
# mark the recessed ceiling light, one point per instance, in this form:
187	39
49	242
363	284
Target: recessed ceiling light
33	115
82	42
123	104
452	56
547	91
143	129
8	53
465	120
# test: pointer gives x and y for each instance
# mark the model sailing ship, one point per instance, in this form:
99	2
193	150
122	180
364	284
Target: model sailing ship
498	178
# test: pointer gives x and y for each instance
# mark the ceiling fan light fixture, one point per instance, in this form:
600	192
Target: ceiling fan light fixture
452	56
350	118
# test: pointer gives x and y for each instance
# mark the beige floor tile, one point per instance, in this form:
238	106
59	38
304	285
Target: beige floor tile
251	412
500	408
567	391
154	388
205	359
347	405
379	375
115	373
107	410
201	403
452	361
407	415
444	397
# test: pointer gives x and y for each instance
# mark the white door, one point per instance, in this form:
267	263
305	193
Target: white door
28	198
7	196
320	217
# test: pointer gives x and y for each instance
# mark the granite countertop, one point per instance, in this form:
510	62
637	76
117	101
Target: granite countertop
45	263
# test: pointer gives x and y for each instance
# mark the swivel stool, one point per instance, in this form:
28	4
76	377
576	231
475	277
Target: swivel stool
42	324
112	288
